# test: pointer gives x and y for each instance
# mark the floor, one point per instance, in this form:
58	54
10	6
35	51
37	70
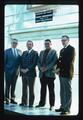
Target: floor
45	111
31	111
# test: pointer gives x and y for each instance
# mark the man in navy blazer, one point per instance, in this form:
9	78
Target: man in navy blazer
11	68
28	72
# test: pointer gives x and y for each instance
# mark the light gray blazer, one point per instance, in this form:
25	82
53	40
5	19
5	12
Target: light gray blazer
51	61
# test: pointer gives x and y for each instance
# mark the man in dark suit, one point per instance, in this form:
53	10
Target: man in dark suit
28	72
11	66
66	65
47	61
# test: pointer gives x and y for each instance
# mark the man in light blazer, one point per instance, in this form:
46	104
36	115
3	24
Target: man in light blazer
11	68
66	65
46	62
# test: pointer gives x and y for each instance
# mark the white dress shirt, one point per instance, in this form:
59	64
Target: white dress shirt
29	50
15	51
66	46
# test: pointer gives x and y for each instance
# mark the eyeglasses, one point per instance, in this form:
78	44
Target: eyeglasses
46	43
14	43
64	40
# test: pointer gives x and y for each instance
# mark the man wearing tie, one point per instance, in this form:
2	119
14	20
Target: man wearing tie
11	66
46	62
28	72
66	65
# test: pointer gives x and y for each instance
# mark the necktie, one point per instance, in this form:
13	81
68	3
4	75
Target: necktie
14	53
27	53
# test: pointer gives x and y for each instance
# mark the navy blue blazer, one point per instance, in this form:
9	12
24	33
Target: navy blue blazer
29	61
11	62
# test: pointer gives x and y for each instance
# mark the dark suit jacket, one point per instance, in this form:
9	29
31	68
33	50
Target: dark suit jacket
11	63
51	60
66	62
29	61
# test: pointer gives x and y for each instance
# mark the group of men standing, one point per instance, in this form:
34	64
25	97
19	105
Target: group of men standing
49	65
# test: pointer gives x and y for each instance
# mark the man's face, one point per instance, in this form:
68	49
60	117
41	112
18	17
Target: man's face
65	41
47	44
29	45
14	44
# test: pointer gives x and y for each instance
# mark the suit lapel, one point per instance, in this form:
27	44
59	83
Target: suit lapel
18	52
49	54
64	49
11	52
42	55
31	52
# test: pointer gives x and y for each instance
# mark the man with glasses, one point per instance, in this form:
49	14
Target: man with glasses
11	65
66	65
46	62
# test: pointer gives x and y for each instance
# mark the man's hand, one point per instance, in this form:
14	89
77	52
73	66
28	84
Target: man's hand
43	69
58	73
25	70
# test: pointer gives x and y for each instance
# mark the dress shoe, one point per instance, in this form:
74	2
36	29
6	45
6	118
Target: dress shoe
13	102
64	112
7	102
22	104
4	99
30	106
39	106
50	107
59	110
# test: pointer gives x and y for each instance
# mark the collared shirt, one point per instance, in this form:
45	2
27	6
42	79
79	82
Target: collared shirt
66	46
15	51
29	50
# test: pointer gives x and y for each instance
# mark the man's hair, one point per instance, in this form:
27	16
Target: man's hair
30	41
48	40
14	40
66	36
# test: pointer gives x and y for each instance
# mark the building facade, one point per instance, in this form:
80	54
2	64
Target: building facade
20	23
